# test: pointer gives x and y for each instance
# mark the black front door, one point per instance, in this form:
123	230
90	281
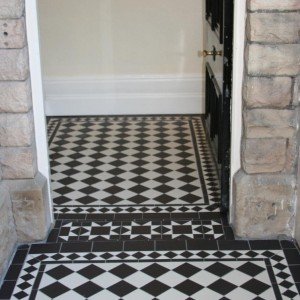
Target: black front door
218	61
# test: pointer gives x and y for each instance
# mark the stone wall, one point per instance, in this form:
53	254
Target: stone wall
265	189
24	213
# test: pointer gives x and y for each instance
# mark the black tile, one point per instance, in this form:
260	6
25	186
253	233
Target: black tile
225	221
7	289
139	245
229	235
276	291
102	217
44	248
23	247
292	256
202	245
287	244
295	270
184	216
57	224
38	280
76	247
209	215
233	245
170	245
33	294
265	245
156	216
107	246
53	235
71	217
19	257
13	272
271	273
128	217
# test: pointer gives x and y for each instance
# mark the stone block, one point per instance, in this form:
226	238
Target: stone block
16	130
15	96
14	64
268	92
268	60
273	27
270	123
281	5
8	236
12	34
296	91
291	155
18	162
264	155
31	210
264	206
11	8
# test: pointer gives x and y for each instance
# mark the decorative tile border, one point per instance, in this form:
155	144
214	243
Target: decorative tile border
70	231
274	260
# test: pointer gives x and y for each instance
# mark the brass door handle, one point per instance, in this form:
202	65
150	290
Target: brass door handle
213	53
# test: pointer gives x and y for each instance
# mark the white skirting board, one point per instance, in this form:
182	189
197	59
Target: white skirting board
124	95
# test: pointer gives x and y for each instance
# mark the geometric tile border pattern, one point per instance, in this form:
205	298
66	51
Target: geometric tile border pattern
140	230
215	274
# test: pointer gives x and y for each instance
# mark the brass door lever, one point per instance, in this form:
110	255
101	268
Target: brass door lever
212	53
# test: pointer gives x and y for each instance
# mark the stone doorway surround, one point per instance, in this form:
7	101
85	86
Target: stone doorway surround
24	203
264	192
264	202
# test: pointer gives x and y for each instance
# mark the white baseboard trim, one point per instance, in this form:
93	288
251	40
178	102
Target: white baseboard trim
155	94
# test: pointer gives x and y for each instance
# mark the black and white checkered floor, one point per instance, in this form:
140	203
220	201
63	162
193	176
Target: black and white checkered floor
136	203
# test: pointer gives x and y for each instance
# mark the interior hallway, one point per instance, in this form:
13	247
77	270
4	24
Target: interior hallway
136	203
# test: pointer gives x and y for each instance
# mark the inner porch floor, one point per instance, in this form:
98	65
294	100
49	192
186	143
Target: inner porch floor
137	216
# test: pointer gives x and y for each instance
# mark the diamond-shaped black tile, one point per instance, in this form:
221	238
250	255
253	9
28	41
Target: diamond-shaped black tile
222	287
155	270
255	286
219	269
187	270
54	290
123	271
88	289
121	288
189	287
59	272
250	269
91	271
155	288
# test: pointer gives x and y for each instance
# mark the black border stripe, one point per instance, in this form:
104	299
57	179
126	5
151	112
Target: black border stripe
54	133
198	161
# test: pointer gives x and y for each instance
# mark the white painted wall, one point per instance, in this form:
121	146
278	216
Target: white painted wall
120	37
126	56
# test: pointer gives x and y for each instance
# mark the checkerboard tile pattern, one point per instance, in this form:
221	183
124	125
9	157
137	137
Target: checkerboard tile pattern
227	274
166	280
132	161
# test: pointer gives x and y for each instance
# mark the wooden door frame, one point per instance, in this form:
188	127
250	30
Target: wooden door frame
38	95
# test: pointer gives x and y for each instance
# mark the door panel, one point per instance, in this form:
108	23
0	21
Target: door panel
218	37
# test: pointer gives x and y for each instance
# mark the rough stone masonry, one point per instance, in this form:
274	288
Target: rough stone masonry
264	201
24	216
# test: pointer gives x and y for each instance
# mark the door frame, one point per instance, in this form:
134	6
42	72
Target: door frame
38	94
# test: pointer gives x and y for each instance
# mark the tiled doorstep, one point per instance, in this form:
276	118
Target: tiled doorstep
283	257
140	230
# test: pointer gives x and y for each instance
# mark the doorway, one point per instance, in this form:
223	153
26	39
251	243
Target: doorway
238	57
